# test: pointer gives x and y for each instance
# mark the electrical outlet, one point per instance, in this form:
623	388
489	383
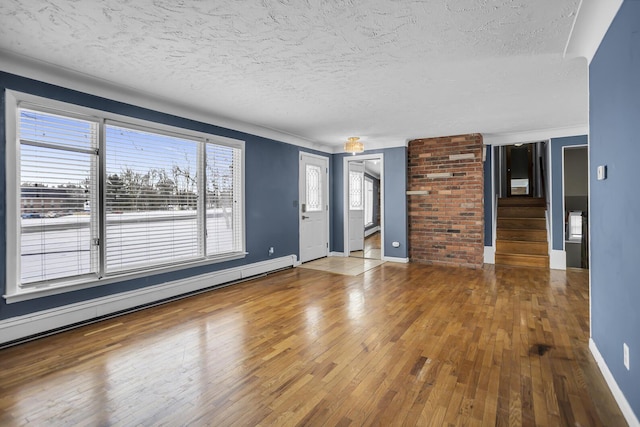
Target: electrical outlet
625	351
271	251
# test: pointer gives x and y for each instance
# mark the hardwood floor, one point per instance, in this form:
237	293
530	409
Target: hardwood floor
403	344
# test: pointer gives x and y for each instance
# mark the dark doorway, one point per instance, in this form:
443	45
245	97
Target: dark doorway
520	170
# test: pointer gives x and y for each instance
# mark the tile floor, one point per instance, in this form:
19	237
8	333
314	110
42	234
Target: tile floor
342	265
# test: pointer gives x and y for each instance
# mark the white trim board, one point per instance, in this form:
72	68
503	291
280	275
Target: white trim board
622	402
39	322
395	259
590	26
489	255
557	260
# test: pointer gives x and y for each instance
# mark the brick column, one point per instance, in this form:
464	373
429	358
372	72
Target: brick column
445	197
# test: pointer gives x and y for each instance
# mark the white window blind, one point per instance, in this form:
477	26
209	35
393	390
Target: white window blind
58	163
575	225
98	196
223	209
151	199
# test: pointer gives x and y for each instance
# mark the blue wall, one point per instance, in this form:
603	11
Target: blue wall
614	117
271	185
557	212
488	198
395	201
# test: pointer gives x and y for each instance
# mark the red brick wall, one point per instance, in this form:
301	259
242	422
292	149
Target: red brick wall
446	226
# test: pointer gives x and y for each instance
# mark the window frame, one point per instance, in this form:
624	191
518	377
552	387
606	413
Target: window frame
573	237
14	291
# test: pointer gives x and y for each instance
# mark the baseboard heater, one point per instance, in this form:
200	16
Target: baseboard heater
30	327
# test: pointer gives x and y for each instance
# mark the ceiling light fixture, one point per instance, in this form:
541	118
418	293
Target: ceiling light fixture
353	145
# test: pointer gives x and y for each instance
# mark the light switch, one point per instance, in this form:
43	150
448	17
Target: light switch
602	172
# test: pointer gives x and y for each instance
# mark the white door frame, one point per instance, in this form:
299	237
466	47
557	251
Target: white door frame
327	202
345	198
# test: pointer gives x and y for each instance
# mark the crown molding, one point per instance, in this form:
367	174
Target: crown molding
25	66
589	27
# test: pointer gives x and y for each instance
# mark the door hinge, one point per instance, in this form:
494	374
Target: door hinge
96	242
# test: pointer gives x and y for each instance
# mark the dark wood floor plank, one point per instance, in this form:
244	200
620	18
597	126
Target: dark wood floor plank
399	345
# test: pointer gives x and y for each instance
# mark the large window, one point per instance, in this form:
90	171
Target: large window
101	196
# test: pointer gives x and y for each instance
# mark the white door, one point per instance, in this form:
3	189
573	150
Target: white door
356	206
313	207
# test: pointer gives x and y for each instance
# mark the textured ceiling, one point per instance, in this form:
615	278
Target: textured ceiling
323	70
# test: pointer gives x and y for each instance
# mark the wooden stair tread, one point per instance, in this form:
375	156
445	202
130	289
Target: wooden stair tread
522	247
519	241
522	223
521	212
524	260
524	255
534	218
520	234
521	201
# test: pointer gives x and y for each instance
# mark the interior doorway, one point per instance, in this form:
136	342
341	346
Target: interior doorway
520	170
363	202
575	188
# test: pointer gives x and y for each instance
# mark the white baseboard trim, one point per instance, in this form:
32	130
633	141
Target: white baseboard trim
340	254
46	320
622	402
395	259
370	231
489	255
558	260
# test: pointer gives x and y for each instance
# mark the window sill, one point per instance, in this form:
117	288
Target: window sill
35	292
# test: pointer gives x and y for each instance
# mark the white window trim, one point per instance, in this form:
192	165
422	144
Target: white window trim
14	100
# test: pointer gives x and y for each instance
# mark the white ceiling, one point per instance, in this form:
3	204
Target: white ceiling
322	70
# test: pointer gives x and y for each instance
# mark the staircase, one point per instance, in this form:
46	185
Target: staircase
522	232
